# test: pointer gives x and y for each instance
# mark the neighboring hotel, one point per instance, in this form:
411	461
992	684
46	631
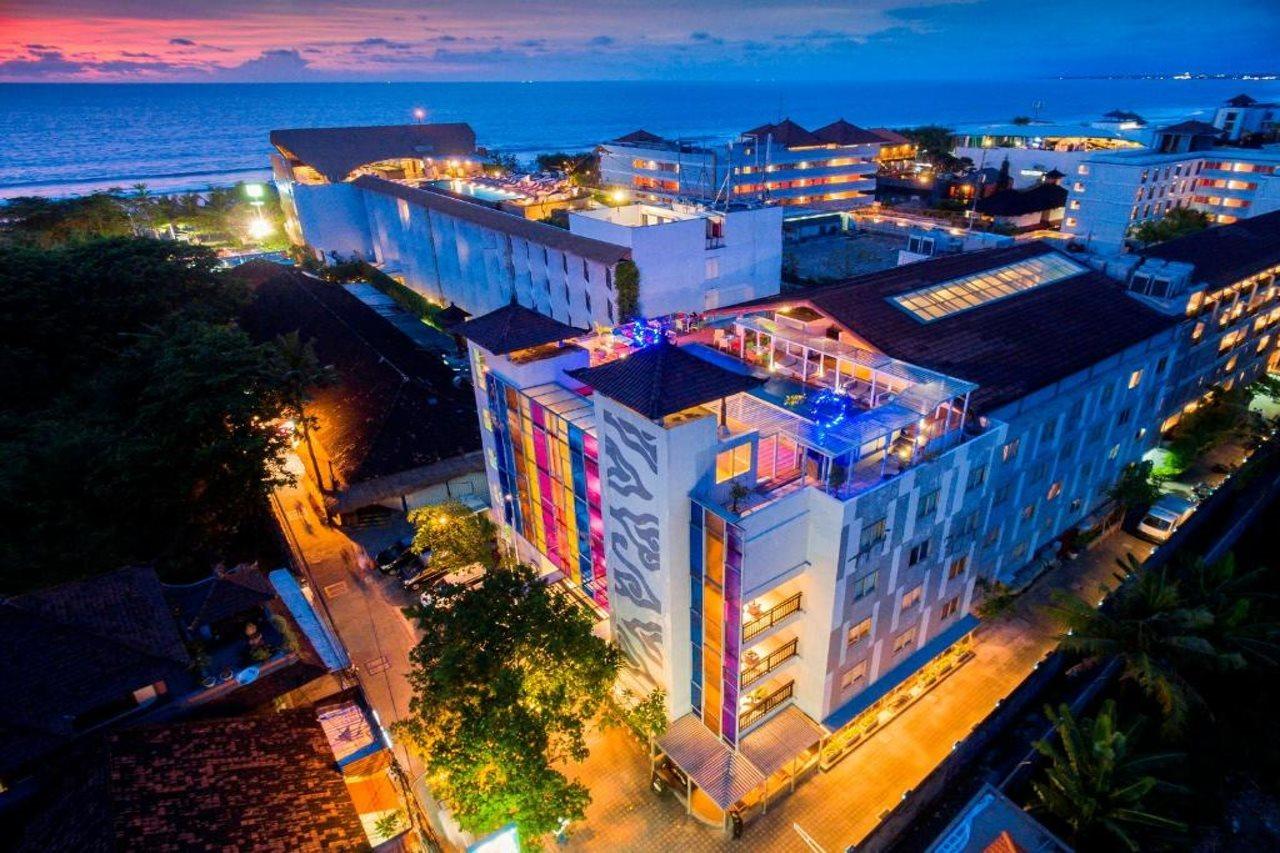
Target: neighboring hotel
783	516
410	199
832	167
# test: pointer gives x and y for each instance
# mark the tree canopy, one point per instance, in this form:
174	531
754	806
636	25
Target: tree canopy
1175	223
138	419
455	535
505	679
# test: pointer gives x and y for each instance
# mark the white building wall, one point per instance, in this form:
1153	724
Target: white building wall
332	219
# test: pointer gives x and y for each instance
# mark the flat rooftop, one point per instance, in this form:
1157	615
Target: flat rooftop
1225	254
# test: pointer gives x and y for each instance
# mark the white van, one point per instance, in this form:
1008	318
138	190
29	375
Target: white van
1164	517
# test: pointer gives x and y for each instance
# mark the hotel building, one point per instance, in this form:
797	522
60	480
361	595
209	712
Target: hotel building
398	198
782	517
833	167
1033	150
1244	116
1221	285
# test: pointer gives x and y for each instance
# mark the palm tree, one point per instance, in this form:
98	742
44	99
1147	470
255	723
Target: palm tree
1232	597
1097	783
300	374
1149	626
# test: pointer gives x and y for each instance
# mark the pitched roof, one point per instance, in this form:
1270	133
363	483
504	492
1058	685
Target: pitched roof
265	782
1241	100
514	327
1196	128
785	132
841	132
336	151
1010	347
497	220
1225	254
126	606
394	407
220	596
1011	202
663	379
891	137
640	135
452	316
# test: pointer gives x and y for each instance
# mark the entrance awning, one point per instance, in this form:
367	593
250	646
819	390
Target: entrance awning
722	774
785	736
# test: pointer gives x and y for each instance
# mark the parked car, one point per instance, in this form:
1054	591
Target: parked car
387	557
413	569
1165	517
466	576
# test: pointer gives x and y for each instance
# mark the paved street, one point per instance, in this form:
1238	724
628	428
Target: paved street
836	808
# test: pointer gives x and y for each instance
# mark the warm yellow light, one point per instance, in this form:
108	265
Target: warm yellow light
618	196
260	229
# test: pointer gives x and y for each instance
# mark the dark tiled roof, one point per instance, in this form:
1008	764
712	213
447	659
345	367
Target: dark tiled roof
514	327
1013	202
267	782
1054	175
1225	254
1196	128
1241	100
504	223
57	677
393	407
890	137
127	606
1124	115
785	132
841	132
221	596
663	379
640	136
1009	348
336	151
452	316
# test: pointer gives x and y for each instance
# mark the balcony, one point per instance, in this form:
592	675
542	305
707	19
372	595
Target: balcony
760	619
757	704
760	661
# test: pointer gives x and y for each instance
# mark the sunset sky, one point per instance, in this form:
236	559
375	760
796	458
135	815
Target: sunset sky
298	40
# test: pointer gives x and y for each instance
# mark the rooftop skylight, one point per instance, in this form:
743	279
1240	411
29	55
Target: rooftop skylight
971	291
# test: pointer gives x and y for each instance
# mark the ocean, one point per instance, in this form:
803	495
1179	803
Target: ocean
66	139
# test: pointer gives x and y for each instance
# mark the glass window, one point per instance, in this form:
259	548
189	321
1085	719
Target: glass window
733	462
860	632
957	567
911	597
853	676
919	553
904	640
949	609
864	586
928	504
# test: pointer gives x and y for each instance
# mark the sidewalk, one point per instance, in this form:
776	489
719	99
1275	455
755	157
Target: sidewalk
842	806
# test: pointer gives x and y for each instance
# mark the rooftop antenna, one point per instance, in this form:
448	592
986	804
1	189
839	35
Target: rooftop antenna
1036	107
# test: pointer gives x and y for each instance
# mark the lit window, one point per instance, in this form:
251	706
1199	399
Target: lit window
957	567
1055	490
949	609
733	462
905	639
912	597
1010	450
853	676
873	534
1135	378
860	632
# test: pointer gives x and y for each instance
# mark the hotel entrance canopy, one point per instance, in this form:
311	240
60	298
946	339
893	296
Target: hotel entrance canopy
719	772
781	740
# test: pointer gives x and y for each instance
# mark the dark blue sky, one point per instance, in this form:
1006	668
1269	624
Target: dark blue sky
629	39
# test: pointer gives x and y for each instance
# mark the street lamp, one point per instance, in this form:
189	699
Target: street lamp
259	228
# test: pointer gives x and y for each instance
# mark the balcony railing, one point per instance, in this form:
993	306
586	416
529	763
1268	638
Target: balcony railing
754	672
771	617
757	712
715	243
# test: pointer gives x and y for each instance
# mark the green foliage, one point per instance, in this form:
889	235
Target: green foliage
1138	485
1176	223
645	715
626	283
582	169
1225	414
138	418
1098	783
46	222
933	143
1267	385
498	163
456	536
389	825
505	679
997	599
356	269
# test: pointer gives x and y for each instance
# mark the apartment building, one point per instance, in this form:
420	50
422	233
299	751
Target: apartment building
1033	150
1245	116
832	167
1220	284
782	516
378	194
1110	194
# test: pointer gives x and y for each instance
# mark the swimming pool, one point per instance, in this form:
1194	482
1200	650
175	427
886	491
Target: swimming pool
479	191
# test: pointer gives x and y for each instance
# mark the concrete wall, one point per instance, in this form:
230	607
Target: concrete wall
332	219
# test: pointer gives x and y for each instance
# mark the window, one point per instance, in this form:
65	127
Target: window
993	536
853	676
1020	551
905	639
586	273
1123	417
949	609
733	462
928	504
1055	490
1047	431
1135	378
864	586
1010	450
860	632
911	597
919	553
713	268
1107	391
1027	511
1002	494
957	567
873	534
977	476
949	297
1114	452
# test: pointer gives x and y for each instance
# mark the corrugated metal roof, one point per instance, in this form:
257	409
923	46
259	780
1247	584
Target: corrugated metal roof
786	735
722	774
